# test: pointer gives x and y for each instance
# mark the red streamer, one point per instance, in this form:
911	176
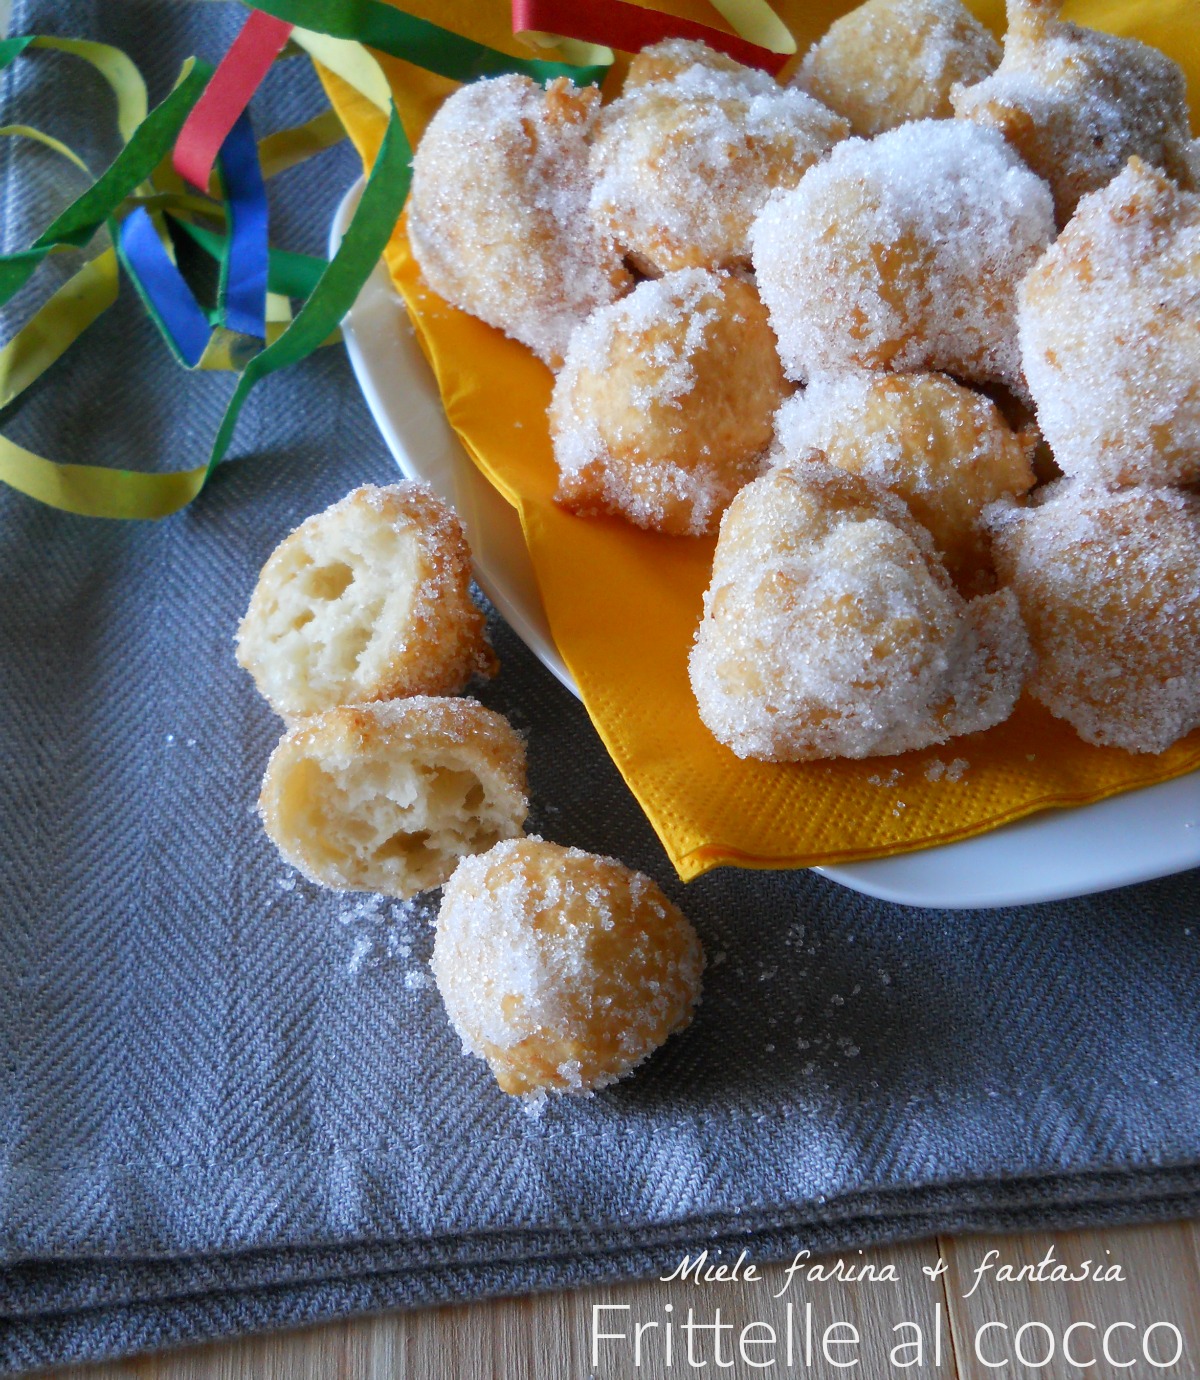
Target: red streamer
227	94
616	24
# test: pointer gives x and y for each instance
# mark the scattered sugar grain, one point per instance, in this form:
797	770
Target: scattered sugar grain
533	1104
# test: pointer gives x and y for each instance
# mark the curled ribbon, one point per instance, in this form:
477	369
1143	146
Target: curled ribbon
203	123
631	27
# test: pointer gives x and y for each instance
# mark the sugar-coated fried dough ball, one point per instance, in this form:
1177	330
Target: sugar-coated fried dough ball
1110	334
673	56
388	797
1077	104
904	253
368	600
1109	586
562	969
831	629
498	217
943	448
664	405
683	166
891	61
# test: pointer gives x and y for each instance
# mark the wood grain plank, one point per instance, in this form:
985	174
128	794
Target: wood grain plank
1161	1284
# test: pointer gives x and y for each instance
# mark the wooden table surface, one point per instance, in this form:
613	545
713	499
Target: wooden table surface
550	1337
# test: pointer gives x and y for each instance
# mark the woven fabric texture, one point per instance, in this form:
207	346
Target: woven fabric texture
230	1101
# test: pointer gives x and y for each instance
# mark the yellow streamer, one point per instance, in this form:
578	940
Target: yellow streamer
572	50
289	147
116	69
48	140
59	323
757	22
350	61
92	491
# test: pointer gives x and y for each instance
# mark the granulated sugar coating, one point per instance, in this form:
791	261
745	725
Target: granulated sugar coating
943	448
1077	104
904	253
671	58
891	61
1110	334
498	217
368	600
1109	586
562	969
683	166
388	797
663	407
831	629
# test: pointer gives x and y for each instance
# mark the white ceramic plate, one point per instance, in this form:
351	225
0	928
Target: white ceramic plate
1131	838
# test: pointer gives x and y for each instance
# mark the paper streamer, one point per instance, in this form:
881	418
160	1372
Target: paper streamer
757	21
237	77
11	48
243	288
256	282
287	148
57	325
163	289
146	148
113	65
48	141
367	234
288	273
93	491
631	28
242	294
382	26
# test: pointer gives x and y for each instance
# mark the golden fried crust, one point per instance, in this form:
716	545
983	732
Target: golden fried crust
388	797
663	407
1077	103
1110	334
682	167
1109	587
943	448
667	60
562	969
498	217
368	600
831	629
891	61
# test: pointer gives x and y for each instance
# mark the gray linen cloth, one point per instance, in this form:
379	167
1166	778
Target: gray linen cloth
230	1101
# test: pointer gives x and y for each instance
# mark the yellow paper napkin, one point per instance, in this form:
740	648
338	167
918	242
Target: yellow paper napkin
624	604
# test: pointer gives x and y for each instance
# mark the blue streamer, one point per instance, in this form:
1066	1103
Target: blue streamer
162	287
243	301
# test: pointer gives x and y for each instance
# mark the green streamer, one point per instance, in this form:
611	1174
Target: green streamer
136	161
288	273
401	35
11	48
